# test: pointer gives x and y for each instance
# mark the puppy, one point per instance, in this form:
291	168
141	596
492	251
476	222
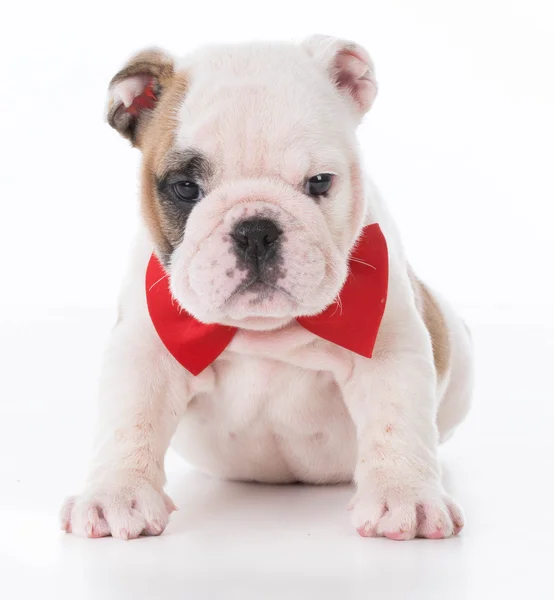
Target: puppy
275	351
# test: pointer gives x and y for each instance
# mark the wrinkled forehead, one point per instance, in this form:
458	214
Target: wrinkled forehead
253	115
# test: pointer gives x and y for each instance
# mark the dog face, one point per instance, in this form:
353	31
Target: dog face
251	185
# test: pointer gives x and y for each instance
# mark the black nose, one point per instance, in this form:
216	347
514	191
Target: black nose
255	239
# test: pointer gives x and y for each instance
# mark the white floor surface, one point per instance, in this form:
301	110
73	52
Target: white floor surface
232	540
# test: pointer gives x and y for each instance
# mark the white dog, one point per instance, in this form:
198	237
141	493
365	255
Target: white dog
254	351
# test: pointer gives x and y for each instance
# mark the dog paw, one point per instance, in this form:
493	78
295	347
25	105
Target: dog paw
434	517
123	510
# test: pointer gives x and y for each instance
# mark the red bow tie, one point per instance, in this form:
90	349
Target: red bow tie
352	321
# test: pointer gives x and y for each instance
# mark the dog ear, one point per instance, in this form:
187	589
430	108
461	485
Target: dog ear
135	91
349	67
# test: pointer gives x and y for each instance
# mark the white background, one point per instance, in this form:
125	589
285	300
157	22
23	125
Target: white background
461	143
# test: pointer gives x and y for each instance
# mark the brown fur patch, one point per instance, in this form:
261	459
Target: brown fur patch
434	320
153	131
156	142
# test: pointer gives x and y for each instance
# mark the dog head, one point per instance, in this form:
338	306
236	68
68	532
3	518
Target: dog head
251	183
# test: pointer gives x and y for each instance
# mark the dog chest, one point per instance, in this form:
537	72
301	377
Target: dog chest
268	421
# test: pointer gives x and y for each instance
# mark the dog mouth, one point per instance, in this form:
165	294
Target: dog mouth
260	291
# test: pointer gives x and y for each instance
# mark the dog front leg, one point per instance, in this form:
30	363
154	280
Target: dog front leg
392	400
143	393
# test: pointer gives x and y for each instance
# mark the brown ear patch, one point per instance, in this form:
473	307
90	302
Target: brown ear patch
435	322
136	90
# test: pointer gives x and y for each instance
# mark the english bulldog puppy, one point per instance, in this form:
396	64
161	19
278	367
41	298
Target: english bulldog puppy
270	326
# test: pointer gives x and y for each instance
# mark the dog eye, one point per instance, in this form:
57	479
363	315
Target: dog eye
319	184
187	191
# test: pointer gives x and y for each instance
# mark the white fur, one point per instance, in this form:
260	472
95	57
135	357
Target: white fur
279	405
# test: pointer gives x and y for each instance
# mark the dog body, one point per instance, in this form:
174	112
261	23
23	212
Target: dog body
253	198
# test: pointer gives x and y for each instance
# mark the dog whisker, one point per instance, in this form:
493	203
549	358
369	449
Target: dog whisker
156	283
361	262
338	306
